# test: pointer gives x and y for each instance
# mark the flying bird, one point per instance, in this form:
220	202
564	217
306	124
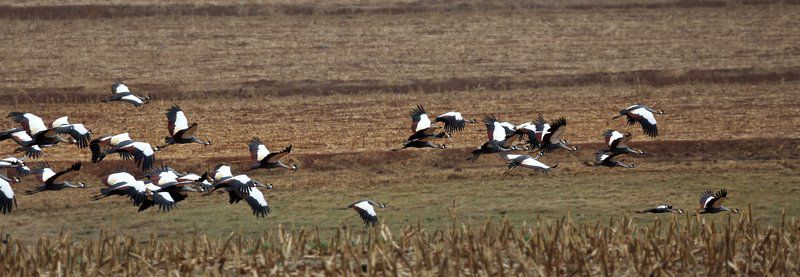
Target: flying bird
424	132
515	160
607	159
661	209
546	136
618	143
44	136
644	115
120	92
366	209
123	184
711	202
241	187
25	142
265	159
501	137
180	131
141	152
12	168
52	180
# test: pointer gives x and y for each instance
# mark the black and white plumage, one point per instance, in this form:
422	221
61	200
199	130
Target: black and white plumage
13	168
263	158
515	160
240	183
546	136
44	136
607	159
255	198
711	202
661	209
644	115
366	209
180	131
121	92
7	200
453	121
123	184
220	173
141	152
25	142
617	142
501	137
52	180
423	131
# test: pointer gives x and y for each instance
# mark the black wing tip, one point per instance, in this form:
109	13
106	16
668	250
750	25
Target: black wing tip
418	110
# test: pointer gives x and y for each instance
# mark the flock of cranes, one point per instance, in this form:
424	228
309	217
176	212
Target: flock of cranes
164	187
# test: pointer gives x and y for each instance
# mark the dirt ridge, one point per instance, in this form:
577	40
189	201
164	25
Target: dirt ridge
61	12
655	78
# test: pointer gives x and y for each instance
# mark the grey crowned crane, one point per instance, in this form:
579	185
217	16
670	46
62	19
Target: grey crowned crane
618	143
200	180
123	184
52	180
546	136
120	92
180	131
265	159
501	136
43	136
607	159
424	131
515	160
141	152
25	142
711	202
165	190
366	209
14	168
241	187
453	121
644	115
661	209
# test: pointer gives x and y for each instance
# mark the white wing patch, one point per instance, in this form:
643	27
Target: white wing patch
120	177
222	172
365	206
647	115
46	174
424	122
181	123
259	197
615	136
132	98
710	198
498	133
5	188
61	121
35	123
117	139
121	88
262	152
533	163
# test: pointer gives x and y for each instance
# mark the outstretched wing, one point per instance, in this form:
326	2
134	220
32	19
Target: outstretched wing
557	128
258	203
720	196
53	179
707	199
142	153
30	122
453	121
176	120
257	150
119	88
494	130
420	119
277	156
647	119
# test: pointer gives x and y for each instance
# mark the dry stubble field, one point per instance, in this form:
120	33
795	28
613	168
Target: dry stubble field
337	81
